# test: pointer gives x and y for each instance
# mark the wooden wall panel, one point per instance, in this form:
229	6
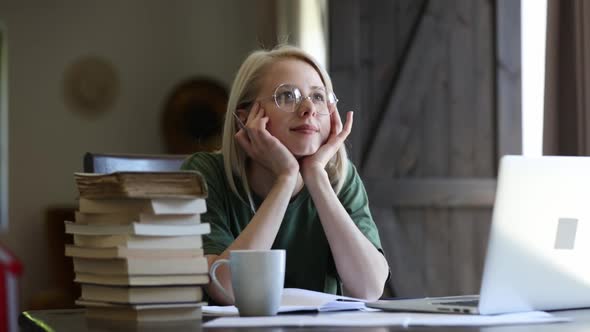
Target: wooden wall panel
509	78
462	63
485	162
434	130
385	148
345	65
426	140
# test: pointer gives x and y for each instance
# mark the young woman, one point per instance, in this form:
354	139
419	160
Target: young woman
283	181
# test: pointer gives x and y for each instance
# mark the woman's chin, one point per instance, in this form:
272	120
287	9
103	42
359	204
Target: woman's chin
303	151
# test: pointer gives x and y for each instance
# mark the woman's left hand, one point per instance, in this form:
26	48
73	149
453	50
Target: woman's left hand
319	160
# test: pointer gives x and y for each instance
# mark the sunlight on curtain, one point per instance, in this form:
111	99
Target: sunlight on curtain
534	26
3	131
304	23
314	29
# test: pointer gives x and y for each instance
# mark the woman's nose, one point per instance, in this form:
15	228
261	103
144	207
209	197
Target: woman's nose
307	107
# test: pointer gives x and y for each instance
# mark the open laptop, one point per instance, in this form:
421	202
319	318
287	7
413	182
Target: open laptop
538	255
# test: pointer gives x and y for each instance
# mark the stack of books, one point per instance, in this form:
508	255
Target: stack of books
137	247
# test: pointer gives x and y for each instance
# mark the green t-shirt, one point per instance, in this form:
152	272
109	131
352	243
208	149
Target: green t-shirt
310	264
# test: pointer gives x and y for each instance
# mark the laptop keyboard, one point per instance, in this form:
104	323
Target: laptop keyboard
468	303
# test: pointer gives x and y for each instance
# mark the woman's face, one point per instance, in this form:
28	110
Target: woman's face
304	130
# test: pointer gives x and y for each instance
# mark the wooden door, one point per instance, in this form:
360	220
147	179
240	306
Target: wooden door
435	90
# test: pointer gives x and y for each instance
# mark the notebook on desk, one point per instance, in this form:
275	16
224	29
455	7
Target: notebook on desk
539	244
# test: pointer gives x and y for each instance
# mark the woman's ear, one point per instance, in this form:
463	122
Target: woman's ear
242	115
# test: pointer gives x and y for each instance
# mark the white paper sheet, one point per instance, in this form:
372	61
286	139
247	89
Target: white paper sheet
296	299
359	318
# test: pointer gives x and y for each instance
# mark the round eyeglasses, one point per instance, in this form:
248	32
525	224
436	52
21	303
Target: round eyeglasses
288	98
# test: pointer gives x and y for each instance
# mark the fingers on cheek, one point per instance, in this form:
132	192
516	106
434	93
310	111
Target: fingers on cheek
238	136
337	119
349	121
253	112
241	143
338	127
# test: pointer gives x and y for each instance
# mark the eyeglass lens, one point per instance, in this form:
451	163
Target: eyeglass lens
288	98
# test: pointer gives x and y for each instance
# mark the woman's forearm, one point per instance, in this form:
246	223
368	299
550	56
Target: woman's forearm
259	234
362	268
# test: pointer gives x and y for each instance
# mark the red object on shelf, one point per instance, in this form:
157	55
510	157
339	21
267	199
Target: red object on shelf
10	271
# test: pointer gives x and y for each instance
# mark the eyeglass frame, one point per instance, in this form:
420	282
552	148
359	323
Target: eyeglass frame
247	105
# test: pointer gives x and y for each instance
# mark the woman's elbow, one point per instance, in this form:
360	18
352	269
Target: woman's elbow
370	290
375	291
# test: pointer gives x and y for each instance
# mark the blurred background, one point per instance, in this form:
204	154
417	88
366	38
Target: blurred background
435	86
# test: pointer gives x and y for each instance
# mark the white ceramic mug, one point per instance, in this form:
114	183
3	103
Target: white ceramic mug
257	278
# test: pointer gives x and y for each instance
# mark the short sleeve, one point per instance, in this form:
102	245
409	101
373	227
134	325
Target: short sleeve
353	197
211	166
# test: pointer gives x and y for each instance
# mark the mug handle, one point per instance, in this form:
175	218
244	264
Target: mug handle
216	282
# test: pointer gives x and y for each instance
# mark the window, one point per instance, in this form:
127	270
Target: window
534	24
3	131
314	29
304	23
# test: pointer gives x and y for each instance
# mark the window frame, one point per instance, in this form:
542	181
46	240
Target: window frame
3	130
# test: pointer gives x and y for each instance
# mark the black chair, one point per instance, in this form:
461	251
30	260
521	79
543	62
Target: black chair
112	162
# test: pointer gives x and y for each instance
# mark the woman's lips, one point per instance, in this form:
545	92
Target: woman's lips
306	129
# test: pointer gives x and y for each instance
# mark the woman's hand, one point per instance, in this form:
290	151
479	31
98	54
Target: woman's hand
264	148
319	160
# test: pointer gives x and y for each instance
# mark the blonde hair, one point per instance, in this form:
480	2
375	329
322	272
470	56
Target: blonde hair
244	89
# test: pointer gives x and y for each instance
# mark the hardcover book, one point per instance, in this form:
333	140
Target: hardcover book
144	205
142	280
142	294
123	252
138	229
138	242
141	266
133	184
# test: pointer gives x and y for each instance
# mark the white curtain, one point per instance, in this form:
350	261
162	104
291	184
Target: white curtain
297	22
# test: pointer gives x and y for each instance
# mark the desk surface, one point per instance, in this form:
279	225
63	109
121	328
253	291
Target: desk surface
73	320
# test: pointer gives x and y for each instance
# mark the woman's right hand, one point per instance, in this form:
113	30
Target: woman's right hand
264	148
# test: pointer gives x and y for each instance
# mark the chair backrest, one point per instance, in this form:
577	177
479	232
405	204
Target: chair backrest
113	162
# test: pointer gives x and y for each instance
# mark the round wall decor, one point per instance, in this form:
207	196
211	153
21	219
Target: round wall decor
91	85
192	119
